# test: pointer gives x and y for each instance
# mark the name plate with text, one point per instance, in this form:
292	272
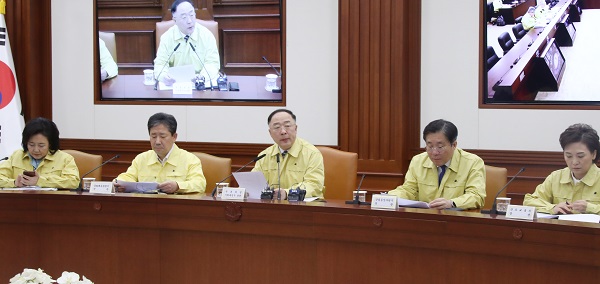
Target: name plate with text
521	212
384	201
182	88
233	193
102	187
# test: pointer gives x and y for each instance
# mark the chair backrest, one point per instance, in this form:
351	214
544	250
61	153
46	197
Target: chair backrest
495	179
111	43
519	31
505	42
214	168
340	173
162	27
87	162
492	58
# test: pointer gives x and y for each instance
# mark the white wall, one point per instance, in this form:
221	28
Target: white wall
311	95
449	86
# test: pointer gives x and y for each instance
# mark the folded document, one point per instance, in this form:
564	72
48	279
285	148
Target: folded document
139	187
412	203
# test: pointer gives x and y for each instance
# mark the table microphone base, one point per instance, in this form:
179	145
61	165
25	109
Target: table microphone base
492	212
358	202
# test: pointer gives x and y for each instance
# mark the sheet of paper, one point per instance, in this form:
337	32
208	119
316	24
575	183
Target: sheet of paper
183	73
592	218
310	199
412	203
31	188
139	187
163	87
546	216
253	182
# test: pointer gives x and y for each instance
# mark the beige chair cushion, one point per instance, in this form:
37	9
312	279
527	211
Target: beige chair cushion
495	179
340	173
214	168
86	162
111	43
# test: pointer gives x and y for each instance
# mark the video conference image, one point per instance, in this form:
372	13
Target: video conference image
190	55
540	52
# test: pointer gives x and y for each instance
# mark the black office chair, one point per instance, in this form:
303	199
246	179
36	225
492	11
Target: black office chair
505	42
519	31
491	56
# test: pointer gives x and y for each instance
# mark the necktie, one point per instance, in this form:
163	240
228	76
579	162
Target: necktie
186	38
284	153
441	174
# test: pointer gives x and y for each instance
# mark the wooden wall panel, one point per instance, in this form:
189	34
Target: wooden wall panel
250	29
245	48
375	52
590	4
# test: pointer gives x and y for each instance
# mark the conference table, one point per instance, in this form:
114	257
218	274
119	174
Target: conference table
137	238
131	87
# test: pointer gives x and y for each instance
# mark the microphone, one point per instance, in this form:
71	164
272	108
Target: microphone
253	160
203	67
276	72
5	158
493	210
356	196
278	179
79	188
166	63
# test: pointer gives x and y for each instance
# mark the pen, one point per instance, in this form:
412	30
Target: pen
567	202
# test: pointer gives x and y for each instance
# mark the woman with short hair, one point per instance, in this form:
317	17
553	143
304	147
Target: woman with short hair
40	162
576	188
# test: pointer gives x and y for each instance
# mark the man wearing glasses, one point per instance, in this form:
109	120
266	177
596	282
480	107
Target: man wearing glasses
182	36
444	176
300	163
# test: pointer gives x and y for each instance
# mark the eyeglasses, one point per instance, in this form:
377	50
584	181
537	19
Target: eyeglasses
185	17
277	127
439	149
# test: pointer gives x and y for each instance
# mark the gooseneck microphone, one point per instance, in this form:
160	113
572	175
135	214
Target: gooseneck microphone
5	158
253	160
278	179
357	195
79	188
494	209
203	66
166	63
276	72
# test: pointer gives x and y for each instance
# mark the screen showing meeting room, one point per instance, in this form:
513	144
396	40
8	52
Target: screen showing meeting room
248	30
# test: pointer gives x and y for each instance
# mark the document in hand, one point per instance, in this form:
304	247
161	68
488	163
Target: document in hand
139	187
412	203
31	187
253	182
183	73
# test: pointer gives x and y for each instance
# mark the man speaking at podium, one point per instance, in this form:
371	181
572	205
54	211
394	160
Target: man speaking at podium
291	160
444	176
176	43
